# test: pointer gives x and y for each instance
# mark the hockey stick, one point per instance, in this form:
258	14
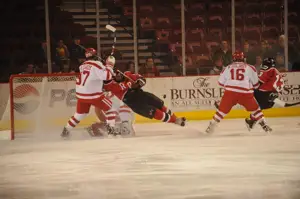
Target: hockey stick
84	48
291	104
112	29
125	75
216	105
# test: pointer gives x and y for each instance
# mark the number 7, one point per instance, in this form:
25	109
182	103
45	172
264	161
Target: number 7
85	75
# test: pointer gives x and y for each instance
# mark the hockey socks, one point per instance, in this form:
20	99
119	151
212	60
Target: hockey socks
165	117
111	118
166	110
256	115
74	120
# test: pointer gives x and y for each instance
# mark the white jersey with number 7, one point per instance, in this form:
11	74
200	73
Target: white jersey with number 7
89	84
239	77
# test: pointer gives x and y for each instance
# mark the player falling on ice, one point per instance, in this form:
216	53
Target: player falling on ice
271	84
128	89
119	112
89	90
238	79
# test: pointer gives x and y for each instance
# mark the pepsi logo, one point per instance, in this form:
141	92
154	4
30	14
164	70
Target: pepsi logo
26	99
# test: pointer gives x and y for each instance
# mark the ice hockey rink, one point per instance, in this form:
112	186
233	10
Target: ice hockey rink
162	162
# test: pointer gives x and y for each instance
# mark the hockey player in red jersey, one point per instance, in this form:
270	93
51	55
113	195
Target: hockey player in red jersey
271	84
89	90
239	79
128	88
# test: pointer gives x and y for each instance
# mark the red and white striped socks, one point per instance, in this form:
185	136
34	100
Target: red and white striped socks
219	115
257	115
74	120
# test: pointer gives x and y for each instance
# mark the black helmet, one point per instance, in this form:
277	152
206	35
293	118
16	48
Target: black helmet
268	63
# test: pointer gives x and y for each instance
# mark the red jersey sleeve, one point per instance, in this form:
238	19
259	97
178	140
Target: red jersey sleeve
118	89
133	76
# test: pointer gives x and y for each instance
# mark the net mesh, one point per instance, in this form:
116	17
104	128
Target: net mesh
40	104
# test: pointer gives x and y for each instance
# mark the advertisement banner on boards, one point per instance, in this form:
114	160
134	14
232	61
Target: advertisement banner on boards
200	92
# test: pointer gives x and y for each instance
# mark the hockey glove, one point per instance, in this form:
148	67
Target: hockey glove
139	83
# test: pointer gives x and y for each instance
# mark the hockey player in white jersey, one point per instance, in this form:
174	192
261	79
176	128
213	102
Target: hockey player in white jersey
89	91
119	114
239	79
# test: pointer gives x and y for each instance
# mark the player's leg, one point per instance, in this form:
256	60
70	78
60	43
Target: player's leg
155	101
126	116
82	110
105	104
227	102
99	128
152	112
106	118
141	102
264	102
251	105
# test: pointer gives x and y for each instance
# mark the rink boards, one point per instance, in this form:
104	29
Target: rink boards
192	97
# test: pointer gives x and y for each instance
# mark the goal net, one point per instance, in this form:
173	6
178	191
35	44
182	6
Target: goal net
40	105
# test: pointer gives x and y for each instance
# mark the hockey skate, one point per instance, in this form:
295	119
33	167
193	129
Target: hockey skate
126	129
65	133
181	121
94	130
250	123
112	131
211	127
264	126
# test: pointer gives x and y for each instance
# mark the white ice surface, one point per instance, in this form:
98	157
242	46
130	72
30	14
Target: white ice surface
163	162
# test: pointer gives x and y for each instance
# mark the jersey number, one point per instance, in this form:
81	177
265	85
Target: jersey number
237	74
83	76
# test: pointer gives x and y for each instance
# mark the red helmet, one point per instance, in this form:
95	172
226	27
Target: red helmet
90	52
238	56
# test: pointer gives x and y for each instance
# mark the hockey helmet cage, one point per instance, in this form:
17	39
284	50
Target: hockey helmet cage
238	56
110	61
90	52
268	63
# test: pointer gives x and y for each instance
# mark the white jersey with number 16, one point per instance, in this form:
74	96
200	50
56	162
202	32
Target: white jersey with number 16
89	84
239	77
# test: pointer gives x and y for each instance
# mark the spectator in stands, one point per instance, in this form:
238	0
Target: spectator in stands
264	49
76	55
41	56
280	63
130	66
62	56
30	69
224	52
279	48
249	54
258	62
149	69
219	66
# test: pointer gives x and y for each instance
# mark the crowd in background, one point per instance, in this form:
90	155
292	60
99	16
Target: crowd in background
26	52
68	58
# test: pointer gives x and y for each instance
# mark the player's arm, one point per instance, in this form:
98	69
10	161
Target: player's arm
105	74
223	77
264	76
253	77
279	82
139	80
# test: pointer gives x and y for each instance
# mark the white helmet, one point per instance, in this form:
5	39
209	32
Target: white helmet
110	61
